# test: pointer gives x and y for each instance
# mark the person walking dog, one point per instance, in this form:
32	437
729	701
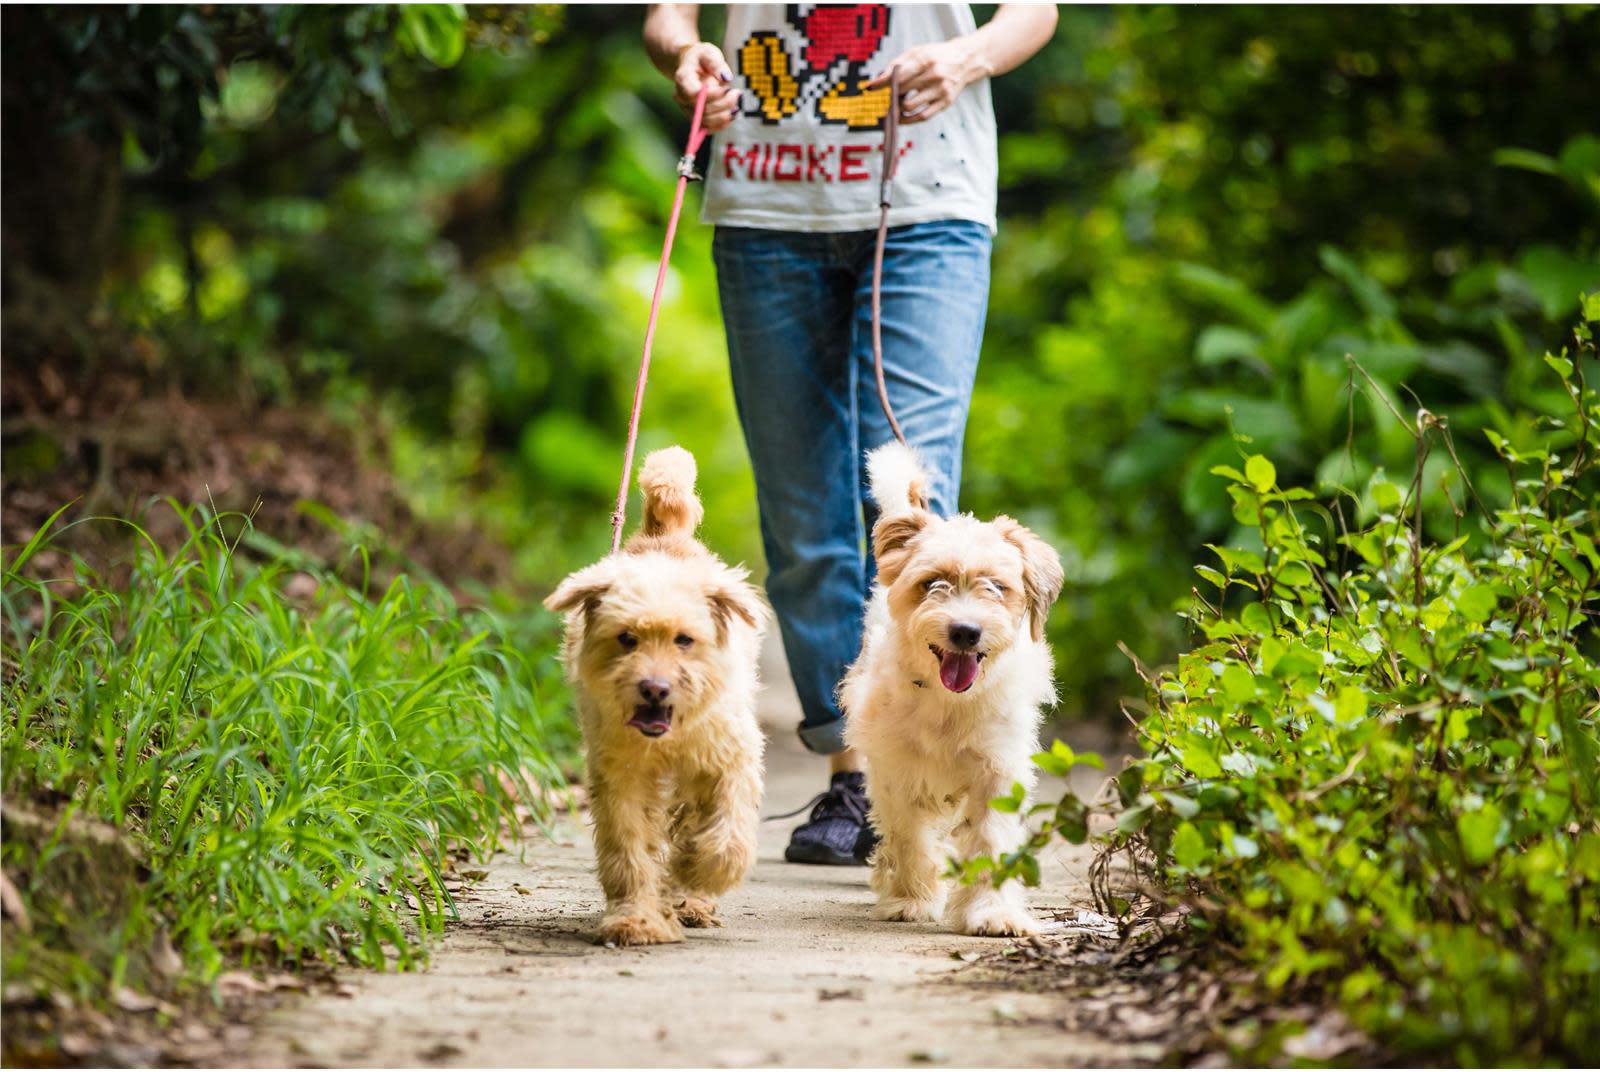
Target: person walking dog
797	103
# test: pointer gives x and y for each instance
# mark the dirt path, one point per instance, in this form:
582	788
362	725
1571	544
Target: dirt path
800	975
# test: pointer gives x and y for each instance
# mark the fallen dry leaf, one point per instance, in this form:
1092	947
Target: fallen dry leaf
11	904
1324	1040
284	981
238	984
440	1050
163	957
132	1001
77	1045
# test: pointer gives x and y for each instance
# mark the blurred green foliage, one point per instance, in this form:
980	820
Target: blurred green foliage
455	212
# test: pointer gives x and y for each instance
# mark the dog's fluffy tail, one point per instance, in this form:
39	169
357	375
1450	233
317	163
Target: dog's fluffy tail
899	483
672	511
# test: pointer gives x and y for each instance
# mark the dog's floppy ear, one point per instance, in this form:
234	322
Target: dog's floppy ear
1042	577
581	590
891	542
732	597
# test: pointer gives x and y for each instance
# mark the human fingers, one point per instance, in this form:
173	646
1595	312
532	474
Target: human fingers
908	65
699	65
721	109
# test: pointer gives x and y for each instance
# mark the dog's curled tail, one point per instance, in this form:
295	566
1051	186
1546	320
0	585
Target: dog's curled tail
672	511
899	483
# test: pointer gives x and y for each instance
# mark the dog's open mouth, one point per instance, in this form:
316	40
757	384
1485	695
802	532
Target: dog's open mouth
652	720
957	669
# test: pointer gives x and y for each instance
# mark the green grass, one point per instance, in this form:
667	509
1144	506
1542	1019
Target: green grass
280	762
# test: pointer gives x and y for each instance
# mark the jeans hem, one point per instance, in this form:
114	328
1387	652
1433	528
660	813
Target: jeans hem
824	738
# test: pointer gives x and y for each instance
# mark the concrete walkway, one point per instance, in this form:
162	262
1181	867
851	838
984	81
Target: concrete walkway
800	975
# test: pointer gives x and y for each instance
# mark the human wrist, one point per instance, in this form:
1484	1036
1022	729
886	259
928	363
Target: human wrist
973	61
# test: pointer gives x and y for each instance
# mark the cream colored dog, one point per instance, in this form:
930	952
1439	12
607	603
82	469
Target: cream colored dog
944	701
661	647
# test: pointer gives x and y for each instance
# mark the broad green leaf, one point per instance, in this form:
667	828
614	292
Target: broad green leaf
1255	618
1072	819
437	31
1480	831
1188	847
1238	684
1011	802
1350	706
1201	760
1133	819
1222	343
1260	471
1477	603
1527	160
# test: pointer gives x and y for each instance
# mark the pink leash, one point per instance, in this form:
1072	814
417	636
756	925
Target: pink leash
686	173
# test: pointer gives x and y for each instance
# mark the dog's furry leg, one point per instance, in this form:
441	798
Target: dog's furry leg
980	909
714	841
905	866
628	826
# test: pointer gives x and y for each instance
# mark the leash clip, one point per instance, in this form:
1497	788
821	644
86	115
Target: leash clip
686	169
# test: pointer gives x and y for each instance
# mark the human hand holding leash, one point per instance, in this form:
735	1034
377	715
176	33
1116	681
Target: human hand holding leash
672	39
932	76
700	64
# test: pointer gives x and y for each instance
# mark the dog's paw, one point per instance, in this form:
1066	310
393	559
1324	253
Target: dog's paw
905	910
638	928
999	921
697	912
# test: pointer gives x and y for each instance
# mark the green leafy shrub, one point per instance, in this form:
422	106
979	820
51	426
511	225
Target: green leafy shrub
241	756
1341	177
1378	772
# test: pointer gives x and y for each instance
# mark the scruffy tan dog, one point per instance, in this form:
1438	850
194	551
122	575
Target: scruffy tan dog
944	701
661	648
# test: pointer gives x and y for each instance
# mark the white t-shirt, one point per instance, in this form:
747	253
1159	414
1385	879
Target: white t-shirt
805	152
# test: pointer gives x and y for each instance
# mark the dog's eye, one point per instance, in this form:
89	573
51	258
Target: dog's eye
683	640
628	641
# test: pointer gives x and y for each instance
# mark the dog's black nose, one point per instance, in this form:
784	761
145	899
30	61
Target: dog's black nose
654	690
965	635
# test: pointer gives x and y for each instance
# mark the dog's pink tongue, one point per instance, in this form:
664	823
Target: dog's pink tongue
958	670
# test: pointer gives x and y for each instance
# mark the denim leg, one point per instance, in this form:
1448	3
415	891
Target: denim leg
935	299
786	308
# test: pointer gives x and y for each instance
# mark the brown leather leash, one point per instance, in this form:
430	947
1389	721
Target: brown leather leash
891	163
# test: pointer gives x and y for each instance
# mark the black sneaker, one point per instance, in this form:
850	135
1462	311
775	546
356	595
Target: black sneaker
838	825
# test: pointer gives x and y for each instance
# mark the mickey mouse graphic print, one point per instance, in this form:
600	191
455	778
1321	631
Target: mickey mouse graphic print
806	149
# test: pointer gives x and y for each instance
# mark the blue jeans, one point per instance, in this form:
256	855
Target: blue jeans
797	308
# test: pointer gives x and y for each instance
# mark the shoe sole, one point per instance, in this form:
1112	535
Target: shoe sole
820	854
